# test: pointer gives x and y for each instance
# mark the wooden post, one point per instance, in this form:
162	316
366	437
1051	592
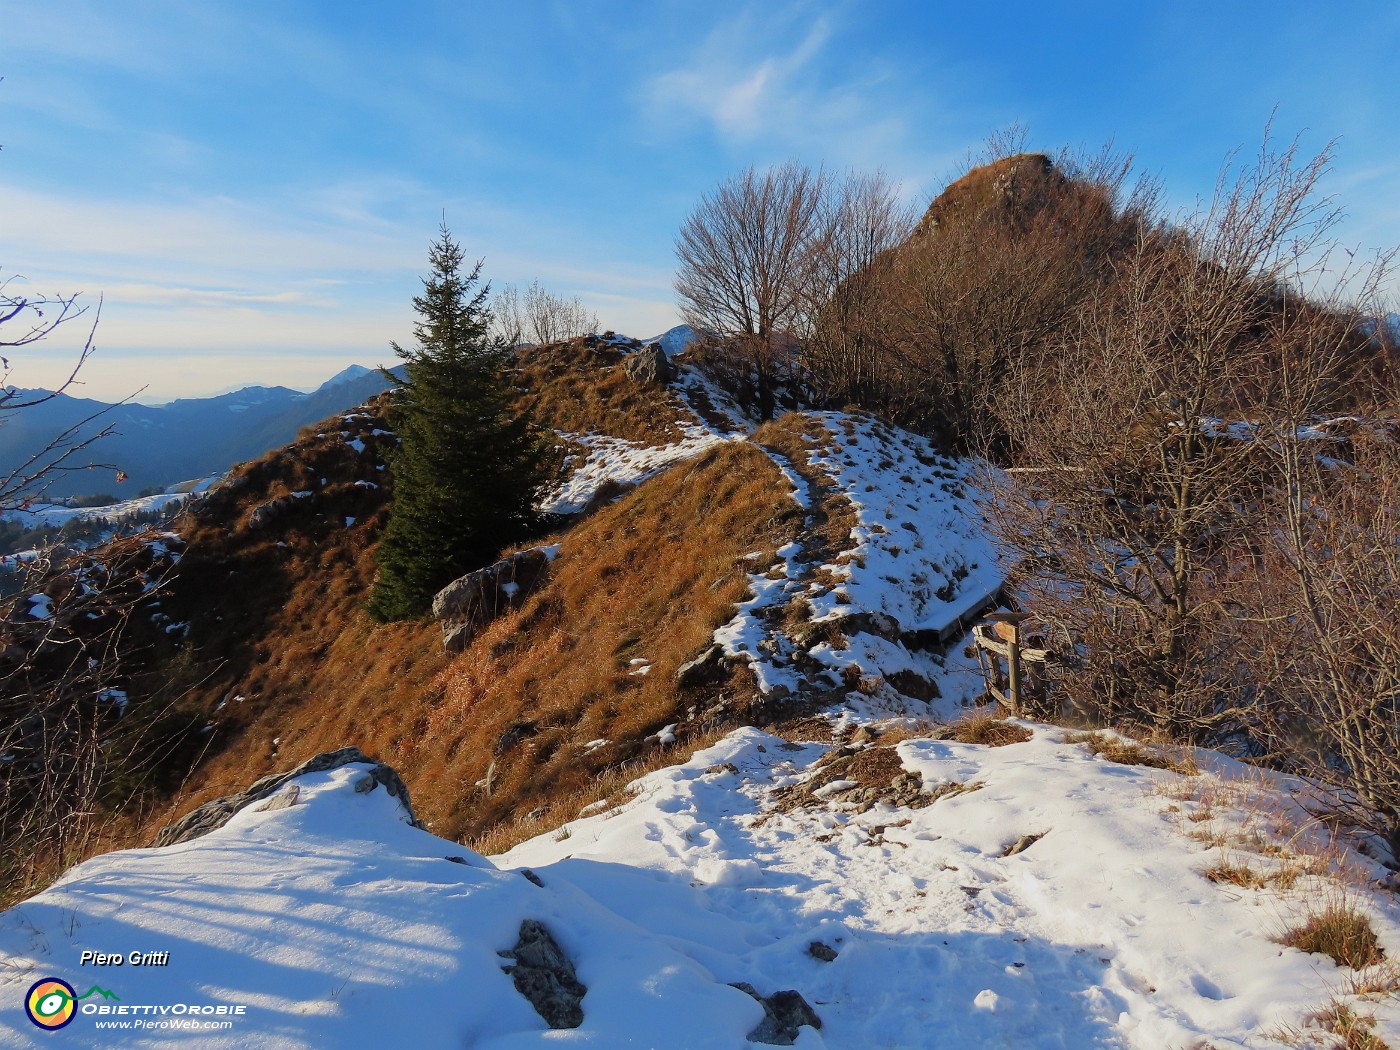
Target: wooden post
1013	670
1007	627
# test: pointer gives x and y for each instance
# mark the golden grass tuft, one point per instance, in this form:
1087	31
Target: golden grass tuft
988	728
1113	748
1338	1026
1337	928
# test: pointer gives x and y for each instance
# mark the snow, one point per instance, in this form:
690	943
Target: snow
919	560
116	697
675	340
325	918
57	515
615	459
919	552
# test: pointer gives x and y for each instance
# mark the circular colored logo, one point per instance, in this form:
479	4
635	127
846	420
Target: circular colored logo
50	1003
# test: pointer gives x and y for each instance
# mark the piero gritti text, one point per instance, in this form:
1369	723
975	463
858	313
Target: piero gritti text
137	958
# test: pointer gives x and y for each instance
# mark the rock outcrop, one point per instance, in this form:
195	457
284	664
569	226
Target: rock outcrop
468	604
213	815
544	975
650	365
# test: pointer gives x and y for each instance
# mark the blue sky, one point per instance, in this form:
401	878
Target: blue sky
252	185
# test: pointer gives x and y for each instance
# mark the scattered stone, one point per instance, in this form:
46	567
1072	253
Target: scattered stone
532	877
723	767
706	668
213	815
785	1012
458	860
544	975
269	512
915	685
514	733
1022	844
824	952
281	800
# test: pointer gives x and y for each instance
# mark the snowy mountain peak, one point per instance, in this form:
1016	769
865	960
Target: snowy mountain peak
347	375
675	340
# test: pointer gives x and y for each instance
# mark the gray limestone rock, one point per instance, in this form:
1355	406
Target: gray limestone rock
785	1012
213	815
469	603
650	365
544	975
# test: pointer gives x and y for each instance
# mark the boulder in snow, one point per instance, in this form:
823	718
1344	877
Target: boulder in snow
544	975
649	365
785	1012
213	815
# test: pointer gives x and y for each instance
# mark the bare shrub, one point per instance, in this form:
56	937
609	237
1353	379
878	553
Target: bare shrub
539	316
75	748
1138	494
747	256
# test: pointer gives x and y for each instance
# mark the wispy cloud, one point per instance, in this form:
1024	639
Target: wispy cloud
744	95
780	80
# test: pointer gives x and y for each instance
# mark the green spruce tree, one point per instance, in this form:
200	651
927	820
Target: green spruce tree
468	469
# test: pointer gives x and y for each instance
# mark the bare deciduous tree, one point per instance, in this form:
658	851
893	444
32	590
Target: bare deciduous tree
747	255
863	221
539	316
24	321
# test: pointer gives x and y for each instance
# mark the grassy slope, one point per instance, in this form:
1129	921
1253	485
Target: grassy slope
276	619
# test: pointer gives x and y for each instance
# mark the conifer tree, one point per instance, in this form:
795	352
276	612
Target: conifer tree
468	469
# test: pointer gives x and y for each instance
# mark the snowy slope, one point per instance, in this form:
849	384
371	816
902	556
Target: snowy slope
914	569
623	462
57	514
336	924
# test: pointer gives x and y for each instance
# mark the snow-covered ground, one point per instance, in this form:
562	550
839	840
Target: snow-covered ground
916	566
623	462
333	923
58	515
919	552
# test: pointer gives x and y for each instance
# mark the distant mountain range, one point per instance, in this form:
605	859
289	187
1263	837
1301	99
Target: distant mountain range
187	438
162	445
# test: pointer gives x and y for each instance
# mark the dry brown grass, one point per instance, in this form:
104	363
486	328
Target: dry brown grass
1334	926
1263	839
574	388
647	578
1338	1026
287	665
878	776
987	728
828	535
1113	748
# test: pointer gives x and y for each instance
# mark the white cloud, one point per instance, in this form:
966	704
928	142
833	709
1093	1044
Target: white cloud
807	95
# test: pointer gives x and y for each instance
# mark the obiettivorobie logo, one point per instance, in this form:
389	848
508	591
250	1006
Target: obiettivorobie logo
52	1002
